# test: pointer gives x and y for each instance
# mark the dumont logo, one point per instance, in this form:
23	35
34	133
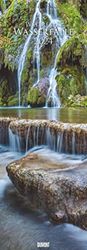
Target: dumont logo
43	244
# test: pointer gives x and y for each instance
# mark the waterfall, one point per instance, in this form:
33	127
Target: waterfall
52	95
37	14
39	31
37	46
61	37
73	143
14	142
37	136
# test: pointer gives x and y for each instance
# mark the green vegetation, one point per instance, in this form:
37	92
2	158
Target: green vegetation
71	17
72	61
15	25
36	98
33	95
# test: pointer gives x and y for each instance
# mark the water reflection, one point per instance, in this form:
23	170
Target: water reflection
63	114
53	114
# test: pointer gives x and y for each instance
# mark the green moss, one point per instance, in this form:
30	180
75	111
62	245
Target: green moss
5	4
72	64
36	98
33	95
4	93
73	51
71	17
70	82
76	101
15	23
13	100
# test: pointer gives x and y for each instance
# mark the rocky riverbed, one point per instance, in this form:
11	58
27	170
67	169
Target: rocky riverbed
58	188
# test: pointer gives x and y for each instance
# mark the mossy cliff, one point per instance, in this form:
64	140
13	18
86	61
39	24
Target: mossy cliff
15	23
72	58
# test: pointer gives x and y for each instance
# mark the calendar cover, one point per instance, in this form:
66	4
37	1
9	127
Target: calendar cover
43	124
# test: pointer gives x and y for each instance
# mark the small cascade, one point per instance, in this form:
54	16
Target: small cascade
27	139
73	143
14	142
54	141
59	137
39	32
35	137
60	141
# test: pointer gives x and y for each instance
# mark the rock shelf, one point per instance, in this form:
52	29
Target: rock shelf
62	137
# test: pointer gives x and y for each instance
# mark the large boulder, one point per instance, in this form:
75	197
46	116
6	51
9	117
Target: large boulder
59	189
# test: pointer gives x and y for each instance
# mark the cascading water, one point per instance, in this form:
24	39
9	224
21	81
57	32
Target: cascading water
14	141
40	32
37	14
61	37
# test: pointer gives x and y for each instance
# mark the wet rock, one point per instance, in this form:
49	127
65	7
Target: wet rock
58	217
43	85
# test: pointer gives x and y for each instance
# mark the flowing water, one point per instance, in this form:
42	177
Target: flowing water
23	54
14	142
21	228
61	38
39	33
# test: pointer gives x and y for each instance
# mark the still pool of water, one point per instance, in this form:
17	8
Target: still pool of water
63	114
21	228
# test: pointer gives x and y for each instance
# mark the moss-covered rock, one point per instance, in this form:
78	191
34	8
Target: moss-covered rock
72	65
81	6
33	95
16	24
73	52
36	98
37	95
71	17
13	100
70	82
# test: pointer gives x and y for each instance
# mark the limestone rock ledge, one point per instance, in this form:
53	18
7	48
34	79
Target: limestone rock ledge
60	191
